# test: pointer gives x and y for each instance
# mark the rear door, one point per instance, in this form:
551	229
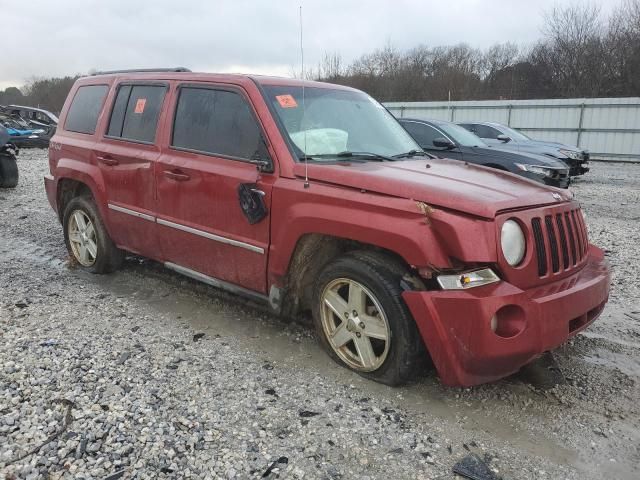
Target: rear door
215	136
126	155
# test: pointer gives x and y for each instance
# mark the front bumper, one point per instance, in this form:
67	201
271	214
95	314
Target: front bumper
577	167
456	325
559	181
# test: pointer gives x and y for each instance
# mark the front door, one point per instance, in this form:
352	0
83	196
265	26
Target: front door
425	135
202	178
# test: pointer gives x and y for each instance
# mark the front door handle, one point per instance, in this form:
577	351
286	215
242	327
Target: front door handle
176	175
107	160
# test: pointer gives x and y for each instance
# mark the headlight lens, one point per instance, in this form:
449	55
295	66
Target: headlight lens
571	154
540	170
513	242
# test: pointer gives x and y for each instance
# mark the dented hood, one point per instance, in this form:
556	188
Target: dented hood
452	184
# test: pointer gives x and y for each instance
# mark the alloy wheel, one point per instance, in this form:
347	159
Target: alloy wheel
82	238
355	325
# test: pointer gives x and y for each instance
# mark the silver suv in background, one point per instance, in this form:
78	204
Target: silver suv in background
496	134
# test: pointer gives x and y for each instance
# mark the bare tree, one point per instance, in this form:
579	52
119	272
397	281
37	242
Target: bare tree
574	47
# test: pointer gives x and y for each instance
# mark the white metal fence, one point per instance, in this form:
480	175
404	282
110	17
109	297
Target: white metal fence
608	127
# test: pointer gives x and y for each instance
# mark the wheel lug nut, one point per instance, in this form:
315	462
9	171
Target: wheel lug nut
361	324
358	334
355	314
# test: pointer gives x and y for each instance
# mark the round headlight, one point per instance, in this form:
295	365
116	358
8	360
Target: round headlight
513	242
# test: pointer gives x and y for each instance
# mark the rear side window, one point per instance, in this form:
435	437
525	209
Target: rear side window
85	109
215	121
135	112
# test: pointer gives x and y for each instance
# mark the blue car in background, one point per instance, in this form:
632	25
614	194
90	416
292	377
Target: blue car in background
22	136
8	161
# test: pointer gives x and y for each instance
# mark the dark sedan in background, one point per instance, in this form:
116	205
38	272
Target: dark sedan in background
496	134
446	139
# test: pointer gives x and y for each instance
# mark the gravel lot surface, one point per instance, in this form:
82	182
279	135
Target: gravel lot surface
145	374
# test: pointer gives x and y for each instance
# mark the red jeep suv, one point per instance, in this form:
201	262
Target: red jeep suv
312	197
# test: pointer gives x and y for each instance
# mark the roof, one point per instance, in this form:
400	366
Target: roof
425	120
164	74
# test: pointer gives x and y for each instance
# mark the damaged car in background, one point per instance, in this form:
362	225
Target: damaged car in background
496	134
8	161
21	134
33	126
449	140
325	206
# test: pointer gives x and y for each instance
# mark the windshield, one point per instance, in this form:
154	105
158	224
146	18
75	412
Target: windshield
461	135
335	121
514	134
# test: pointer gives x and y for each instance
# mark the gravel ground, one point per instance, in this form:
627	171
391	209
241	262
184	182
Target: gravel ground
144	374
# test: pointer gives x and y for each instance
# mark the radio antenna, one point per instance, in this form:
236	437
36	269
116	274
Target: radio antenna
306	165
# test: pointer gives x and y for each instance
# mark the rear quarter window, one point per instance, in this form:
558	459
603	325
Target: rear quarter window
85	109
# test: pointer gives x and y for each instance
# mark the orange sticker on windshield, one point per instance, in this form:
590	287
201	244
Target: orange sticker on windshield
140	105
286	101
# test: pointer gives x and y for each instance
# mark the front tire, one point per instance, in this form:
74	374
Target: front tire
362	321
87	239
8	171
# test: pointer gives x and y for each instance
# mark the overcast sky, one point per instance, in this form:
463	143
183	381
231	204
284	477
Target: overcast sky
65	37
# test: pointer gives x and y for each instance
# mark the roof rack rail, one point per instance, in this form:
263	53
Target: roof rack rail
142	70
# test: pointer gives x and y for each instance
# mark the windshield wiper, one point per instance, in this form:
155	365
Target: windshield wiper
346	155
374	156
413	153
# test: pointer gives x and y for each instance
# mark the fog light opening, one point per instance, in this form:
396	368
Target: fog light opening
509	321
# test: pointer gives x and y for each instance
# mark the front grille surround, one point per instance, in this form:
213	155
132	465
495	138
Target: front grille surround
560	229
557	244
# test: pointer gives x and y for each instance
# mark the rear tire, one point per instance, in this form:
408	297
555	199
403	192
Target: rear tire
87	239
362	321
8	171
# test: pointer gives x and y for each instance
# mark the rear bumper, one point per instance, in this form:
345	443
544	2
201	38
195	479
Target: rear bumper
26	142
456	325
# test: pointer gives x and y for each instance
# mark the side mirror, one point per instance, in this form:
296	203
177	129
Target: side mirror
442	142
503	138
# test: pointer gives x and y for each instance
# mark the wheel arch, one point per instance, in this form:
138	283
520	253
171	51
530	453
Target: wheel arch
75	177
313	251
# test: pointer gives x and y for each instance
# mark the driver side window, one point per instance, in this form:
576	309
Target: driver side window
421	133
484	131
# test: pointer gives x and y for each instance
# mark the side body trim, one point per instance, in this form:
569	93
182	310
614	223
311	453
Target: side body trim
144	216
211	236
184	228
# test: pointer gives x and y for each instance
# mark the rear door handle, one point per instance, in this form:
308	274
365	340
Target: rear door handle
107	160
178	176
